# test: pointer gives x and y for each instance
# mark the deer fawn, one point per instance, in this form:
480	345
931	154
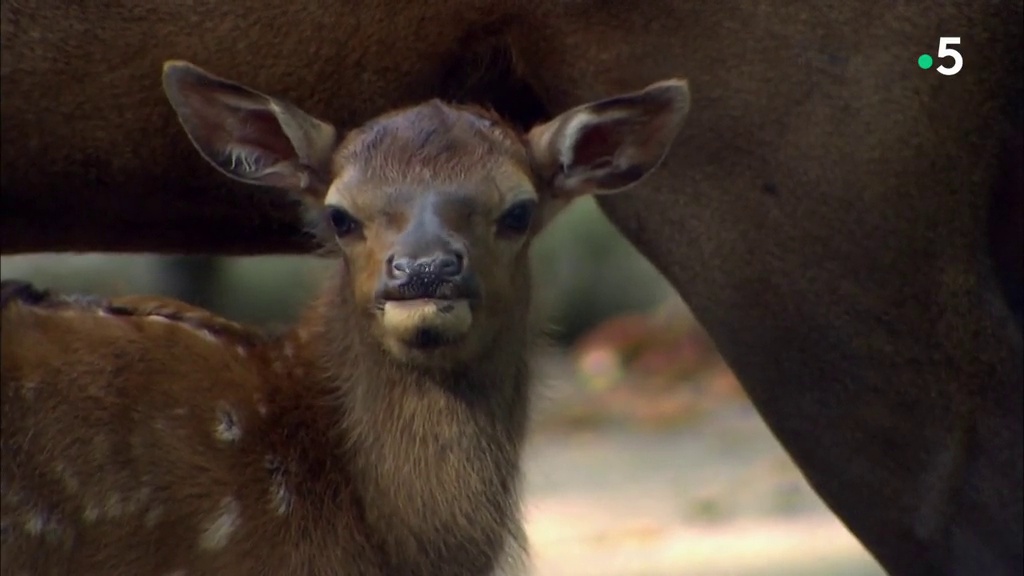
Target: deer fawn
381	435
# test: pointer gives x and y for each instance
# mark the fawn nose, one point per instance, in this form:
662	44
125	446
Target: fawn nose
439	275
446	265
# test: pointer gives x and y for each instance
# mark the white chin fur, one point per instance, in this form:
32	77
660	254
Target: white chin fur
402	319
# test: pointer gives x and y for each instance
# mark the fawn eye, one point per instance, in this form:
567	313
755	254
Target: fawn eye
344	223
516	219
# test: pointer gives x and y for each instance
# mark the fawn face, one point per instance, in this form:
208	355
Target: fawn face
433	208
430	208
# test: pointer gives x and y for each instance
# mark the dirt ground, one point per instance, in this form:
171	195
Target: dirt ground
710	496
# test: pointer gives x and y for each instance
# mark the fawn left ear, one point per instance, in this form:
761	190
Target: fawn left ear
248	135
609	145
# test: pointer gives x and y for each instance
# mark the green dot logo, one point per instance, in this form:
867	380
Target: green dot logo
924	61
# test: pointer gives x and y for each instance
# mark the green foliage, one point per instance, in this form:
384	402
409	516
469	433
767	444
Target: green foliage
269	290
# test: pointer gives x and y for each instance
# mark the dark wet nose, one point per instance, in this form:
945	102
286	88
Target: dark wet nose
447	265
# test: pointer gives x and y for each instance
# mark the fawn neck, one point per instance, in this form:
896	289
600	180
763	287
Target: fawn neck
434	453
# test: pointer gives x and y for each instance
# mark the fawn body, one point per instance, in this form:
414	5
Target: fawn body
382	434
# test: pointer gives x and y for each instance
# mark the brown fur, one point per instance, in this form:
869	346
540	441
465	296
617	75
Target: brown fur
144	436
404	473
825	216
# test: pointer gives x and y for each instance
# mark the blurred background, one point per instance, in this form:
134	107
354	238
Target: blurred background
645	456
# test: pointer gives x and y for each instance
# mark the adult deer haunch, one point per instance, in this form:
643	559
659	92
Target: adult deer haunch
382	434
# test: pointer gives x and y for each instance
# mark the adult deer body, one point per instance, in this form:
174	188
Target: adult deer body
826	217
381	435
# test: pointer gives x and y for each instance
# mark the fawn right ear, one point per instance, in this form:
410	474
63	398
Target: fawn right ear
609	145
248	135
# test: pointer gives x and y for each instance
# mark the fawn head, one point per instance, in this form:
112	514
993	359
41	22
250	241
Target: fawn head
430	208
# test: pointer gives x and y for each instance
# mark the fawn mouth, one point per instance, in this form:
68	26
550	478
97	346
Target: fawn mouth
426	323
428	288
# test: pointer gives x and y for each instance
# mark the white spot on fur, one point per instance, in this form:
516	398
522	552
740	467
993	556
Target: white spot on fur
261	405
280	496
44	524
36	523
91	513
241	351
156	318
228	428
219	530
205	334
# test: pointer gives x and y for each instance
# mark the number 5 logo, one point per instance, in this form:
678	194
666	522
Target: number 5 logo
944	50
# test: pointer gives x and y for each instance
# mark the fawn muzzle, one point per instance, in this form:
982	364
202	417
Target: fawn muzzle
427	261
426	308
426	291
